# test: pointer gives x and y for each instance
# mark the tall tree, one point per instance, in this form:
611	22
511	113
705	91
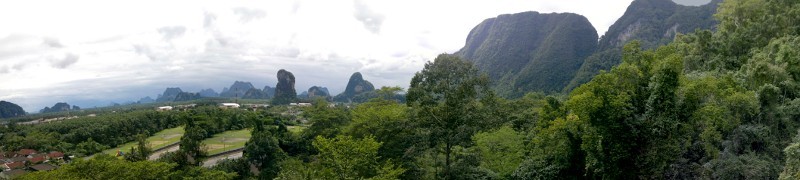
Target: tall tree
446	103
141	151
262	150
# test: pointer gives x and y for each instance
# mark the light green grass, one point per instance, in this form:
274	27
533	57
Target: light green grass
159	140
296	129
226	141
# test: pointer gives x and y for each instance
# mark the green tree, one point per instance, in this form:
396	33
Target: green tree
344	157
191	143
500	150
387	121
262	150
446	101
108	167
141	152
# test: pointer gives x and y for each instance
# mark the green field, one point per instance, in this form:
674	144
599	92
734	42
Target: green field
159	140
226	141
296	129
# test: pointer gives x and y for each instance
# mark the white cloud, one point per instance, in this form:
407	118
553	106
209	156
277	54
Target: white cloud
86	48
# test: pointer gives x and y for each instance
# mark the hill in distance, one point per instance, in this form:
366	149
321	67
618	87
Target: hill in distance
530	51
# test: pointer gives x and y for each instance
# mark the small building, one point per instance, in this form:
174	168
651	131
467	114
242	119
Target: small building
14	165
55	155
164	108
12	174
38	159
300	104
25	152
18	159
229	105
43	167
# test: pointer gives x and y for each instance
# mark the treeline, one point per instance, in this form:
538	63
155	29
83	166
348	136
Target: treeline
88	135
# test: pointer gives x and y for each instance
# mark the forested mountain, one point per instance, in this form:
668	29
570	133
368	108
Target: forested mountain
653	23
355	86
169	94
530	51
237	89
711	105
9	110
208	93
59	107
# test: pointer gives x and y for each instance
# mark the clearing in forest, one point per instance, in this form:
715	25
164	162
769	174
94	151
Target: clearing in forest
158	140
226	141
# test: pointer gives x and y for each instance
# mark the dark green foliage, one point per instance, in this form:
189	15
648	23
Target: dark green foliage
325	121
447	101
9	110
530	51
190	150
239	166
141	152
104	131
108	167
653	23
263	151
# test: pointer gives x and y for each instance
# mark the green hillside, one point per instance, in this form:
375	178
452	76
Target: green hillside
530	51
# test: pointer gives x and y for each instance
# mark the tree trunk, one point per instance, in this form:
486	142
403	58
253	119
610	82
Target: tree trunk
447	151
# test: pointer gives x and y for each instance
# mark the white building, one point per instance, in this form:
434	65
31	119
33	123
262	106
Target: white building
164	108
229	105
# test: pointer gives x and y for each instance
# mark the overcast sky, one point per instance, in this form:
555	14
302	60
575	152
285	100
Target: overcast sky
92	53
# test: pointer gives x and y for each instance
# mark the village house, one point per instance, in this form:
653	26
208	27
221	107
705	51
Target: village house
13	165
229	105
164	108
43	167
26	152
55	155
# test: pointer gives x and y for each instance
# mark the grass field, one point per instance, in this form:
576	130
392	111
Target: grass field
296	129
159	140
226	141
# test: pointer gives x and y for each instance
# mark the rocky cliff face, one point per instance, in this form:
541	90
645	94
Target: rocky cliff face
653	23
10	110
284	90
530	51
169	94
238	89
356	85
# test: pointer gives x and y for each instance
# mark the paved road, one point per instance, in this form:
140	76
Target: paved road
172	148
212	161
